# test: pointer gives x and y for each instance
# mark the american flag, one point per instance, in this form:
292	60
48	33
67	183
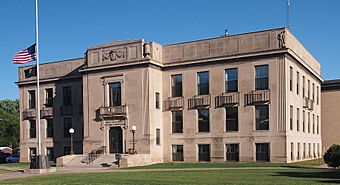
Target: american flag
25	56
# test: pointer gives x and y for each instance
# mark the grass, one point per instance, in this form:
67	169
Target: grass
24	165
4	171
225	176
309	163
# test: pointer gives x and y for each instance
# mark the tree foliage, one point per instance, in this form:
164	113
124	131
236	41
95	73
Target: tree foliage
332	156
9	123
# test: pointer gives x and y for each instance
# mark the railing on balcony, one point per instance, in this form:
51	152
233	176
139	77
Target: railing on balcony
173	103
117	111
46	112
199	101
26	114
308	103
227	99
66	110
257	97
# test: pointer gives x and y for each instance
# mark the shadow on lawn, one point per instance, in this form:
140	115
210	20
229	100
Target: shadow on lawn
322	176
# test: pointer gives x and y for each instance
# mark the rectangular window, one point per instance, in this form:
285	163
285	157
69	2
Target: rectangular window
291	151
49	97
313	123
33	152
308	90
67	95
157	100
298	119
262	117
309	150
262	151
177	153
317	95
291	78
298	151
297	82
50	154
31	99
203	120
231	119
303	86
261	77
204	152
67	126
291	118
158	136
317	125
33	128
304	151
49	127
115	94
231	80
313	92
232	152
308	126
203	83
303	121
176	85
177	121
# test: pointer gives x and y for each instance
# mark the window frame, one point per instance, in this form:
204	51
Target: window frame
261	82
202	122
206	87
232	81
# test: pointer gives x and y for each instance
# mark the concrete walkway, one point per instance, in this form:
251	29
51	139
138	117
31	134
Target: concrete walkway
65	170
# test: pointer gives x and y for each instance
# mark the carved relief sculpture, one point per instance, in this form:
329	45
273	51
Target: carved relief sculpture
114	54
281	39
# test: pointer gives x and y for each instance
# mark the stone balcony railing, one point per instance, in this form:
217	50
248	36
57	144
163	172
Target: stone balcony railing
113	112
173	103
30	113
46	112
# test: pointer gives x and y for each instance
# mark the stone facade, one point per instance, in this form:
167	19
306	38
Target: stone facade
143	73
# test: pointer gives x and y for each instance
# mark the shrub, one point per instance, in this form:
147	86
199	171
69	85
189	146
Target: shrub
332	156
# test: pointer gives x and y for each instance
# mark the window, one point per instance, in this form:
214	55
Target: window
297	82
203	83
291	78
308	93
261	77
32	129
308	122
317	125
67	126
157	100
303	86
313	123
303	121
176	85
291	151
291	118
304	151
204	152
262	117
158	136
231	80
203	120
49	97
298	119
314	154
232	152
298	151
50	154
31	99
317	95
33	152
231	119
313	92
115	94
67	95
49	127
177	153
177	121
309	150
318	149
262	151
30	72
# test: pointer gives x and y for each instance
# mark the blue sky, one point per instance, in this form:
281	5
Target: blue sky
68	27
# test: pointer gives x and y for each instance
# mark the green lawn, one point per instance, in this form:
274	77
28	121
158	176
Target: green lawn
309	163
4	171
24	165
225	176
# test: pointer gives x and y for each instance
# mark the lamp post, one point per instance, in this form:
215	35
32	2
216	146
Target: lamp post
71	131
133	130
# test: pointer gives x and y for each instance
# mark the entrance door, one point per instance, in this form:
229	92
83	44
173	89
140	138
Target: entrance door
116	140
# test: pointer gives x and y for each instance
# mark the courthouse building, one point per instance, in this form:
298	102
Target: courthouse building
244	97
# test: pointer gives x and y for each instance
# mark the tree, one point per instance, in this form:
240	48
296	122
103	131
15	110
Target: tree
332	156
9	123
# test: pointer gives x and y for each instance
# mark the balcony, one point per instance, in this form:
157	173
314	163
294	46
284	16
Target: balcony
66	110
257	97
118	112
308	103
227	99
199	101
46	112
29	114
173	103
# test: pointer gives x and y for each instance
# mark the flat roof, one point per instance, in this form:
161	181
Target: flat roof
328	85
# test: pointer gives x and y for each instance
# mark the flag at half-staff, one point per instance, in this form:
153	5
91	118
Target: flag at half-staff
26	55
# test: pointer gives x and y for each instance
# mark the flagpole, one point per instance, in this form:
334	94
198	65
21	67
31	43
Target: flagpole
38	74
